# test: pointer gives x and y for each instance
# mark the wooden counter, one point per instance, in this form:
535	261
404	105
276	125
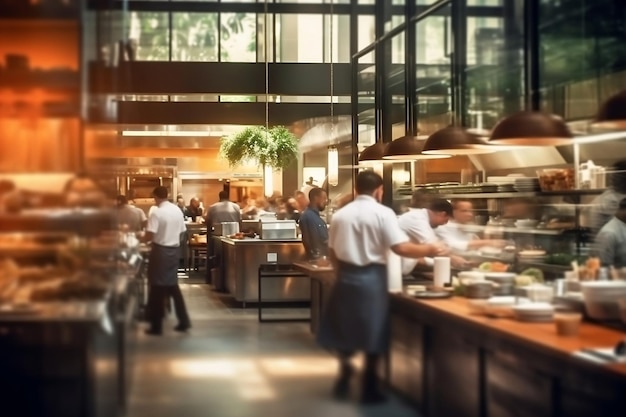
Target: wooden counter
450	362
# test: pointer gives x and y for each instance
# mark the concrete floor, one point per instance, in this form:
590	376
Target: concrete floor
229	365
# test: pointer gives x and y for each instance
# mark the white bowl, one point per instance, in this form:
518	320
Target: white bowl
470	276
501	277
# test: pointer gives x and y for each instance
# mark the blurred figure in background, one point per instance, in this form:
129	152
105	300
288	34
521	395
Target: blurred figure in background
193	210
314	229
606	204
611	240
128	217
453	234
301	200
180	202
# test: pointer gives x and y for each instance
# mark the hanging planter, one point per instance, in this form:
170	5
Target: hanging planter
276	147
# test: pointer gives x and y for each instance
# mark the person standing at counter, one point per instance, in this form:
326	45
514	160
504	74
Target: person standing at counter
453	234
165	227
193	210
356	317
314	229
604	206
611	240
129	216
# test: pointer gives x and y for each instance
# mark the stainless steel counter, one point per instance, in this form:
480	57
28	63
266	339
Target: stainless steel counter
242	258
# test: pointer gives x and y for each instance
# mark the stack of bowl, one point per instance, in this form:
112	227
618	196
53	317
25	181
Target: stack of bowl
601	298
534	312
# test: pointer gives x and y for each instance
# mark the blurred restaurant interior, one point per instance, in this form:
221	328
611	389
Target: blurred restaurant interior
517	106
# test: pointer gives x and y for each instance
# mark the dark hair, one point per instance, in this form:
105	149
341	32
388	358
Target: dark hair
223	195
121	199
441	205
367	182
315	192
160	192
618	177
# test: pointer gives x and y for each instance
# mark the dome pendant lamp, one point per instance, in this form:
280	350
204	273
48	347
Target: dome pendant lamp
612	114
408	148
373	153
529	128
454	140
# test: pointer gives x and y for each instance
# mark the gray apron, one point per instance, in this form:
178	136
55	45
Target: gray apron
356	317
163	265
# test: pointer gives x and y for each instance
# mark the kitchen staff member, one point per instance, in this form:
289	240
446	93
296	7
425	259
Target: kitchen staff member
357	314
458	239
165	227
611	240
420	225
604	206
313	227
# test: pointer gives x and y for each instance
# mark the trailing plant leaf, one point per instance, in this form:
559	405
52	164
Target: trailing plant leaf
276	147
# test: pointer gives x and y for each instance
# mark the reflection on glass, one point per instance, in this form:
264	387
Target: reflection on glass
194	37
366	31
238	37
366	76
396	86
150	32
433	73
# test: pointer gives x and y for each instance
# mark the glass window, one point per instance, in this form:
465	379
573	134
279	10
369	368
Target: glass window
312	1
194	37
366	1
238	37
340	33
366	33
150	32
299	38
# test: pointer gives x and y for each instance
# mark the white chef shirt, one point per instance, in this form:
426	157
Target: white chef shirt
362	232
454	236
416	224
167	223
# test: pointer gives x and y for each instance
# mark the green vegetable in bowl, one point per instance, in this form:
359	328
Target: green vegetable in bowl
536	273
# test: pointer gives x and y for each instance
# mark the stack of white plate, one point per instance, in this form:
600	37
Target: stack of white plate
533	312
527	184
602	297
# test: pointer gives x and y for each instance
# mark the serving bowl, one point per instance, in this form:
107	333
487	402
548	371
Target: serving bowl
526	223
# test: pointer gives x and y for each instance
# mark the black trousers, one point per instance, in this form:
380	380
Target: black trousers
158	295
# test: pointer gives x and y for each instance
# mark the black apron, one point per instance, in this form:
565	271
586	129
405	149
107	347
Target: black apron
356	317
163	265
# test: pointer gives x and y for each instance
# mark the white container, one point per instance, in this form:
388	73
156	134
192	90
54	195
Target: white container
441	271
602	297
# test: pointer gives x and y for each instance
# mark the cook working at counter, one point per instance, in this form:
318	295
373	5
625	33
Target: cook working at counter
458	239
611	240
420	225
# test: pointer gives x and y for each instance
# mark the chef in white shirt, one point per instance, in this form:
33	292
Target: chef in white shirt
356	317
461	240
420	224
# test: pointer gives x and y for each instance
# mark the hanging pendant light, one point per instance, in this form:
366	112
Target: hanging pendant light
408	148
373	153
333	166
612	114
454	140
268	181
529	128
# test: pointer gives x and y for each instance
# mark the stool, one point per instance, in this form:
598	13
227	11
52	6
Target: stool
198	253
267	271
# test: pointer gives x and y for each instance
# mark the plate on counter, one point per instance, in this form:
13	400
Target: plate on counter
432	294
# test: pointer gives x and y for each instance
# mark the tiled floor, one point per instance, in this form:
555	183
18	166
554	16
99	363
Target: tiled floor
231	365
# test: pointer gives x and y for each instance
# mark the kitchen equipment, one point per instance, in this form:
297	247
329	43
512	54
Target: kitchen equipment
432	294
467	277
277	229
479	289
539	293
226	228
441	271
526	224
601	298
503	282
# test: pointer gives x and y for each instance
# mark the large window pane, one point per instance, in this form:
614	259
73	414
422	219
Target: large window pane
150	31
238	37
300	38
194	37
366	35
340	33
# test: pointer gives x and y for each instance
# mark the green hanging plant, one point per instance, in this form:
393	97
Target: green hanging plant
276	147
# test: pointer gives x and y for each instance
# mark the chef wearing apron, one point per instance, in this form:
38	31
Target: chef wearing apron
356	317
165	227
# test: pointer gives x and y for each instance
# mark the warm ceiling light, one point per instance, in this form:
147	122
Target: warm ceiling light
453	140
528	128
373	153
333	166
612	114
170	133
407	148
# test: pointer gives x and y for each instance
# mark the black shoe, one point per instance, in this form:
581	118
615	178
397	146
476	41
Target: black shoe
181	328
153	332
